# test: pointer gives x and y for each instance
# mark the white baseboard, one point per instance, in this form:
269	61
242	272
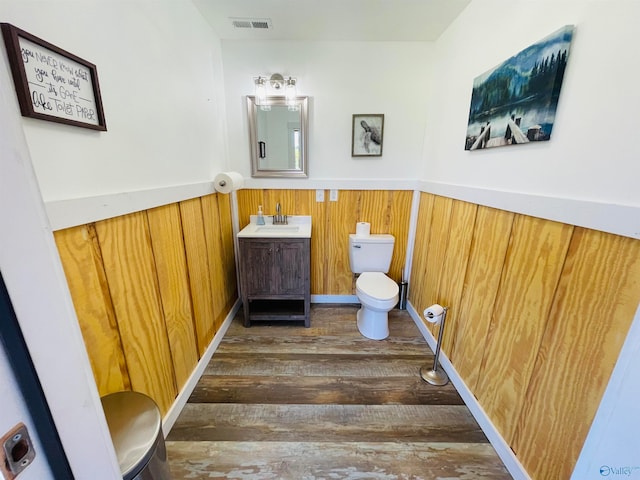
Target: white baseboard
503	450
334	299
182	398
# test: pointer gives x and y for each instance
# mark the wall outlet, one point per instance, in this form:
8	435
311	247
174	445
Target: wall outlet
319	195
333	195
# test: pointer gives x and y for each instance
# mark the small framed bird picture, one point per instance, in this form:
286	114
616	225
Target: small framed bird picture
366	135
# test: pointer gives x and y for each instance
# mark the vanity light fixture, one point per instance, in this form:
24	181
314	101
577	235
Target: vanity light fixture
278	83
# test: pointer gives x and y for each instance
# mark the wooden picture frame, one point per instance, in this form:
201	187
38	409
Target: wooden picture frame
51	83
366	135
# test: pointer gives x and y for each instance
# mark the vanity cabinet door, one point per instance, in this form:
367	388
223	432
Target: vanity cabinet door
257	260
292	267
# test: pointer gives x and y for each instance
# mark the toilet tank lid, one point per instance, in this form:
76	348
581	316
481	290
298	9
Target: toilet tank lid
376	238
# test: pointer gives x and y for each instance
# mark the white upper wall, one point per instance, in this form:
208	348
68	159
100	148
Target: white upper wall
174	118
593	153
341	79
160	72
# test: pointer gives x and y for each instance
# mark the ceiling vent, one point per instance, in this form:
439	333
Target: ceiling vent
251	23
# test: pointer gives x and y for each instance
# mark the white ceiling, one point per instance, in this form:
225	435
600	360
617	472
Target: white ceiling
346	20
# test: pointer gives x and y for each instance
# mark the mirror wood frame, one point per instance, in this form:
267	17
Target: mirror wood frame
252	110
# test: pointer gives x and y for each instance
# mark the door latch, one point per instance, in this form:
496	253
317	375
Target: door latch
16	451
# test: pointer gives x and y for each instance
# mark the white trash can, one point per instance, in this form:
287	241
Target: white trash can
136	431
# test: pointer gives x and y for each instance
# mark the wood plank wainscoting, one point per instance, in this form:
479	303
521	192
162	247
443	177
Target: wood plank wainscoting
538	314
150	290
388	211
538	309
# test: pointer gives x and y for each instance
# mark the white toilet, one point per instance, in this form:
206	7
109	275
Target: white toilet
370	256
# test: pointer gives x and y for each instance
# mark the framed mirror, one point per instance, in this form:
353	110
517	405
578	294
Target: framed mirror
278	137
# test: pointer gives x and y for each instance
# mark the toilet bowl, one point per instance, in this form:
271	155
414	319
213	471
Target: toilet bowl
378	294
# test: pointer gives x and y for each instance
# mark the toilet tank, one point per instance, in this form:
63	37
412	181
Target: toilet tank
370	254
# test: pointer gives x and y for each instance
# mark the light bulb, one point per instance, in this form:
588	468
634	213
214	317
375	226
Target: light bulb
290	91
261	91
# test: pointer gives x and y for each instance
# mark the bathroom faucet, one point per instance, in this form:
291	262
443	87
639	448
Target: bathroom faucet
278	218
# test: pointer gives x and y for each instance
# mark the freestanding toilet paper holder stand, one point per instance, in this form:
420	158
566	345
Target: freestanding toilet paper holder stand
436	375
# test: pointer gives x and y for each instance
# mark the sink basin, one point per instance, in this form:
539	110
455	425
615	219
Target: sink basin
278	228
299	226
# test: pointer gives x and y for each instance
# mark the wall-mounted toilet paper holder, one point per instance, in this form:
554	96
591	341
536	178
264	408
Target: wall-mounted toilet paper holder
436	375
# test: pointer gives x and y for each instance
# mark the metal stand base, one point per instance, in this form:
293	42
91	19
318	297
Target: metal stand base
434	377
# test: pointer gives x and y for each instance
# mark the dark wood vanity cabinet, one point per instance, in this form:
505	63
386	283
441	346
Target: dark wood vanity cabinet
275	279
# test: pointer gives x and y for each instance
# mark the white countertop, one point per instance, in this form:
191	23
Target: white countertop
298	226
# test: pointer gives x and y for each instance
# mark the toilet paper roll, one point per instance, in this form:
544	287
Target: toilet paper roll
433	314
227	182
363	229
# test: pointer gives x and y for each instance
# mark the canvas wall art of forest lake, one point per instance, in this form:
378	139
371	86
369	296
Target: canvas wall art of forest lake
515	102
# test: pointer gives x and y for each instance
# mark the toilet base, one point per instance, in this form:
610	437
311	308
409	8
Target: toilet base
372	324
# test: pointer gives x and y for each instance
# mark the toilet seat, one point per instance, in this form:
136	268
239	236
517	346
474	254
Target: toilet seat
376	288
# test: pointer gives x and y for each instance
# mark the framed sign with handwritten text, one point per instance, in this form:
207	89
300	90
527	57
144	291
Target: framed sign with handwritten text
51	83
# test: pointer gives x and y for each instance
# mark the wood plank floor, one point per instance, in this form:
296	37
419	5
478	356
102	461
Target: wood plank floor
280	401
